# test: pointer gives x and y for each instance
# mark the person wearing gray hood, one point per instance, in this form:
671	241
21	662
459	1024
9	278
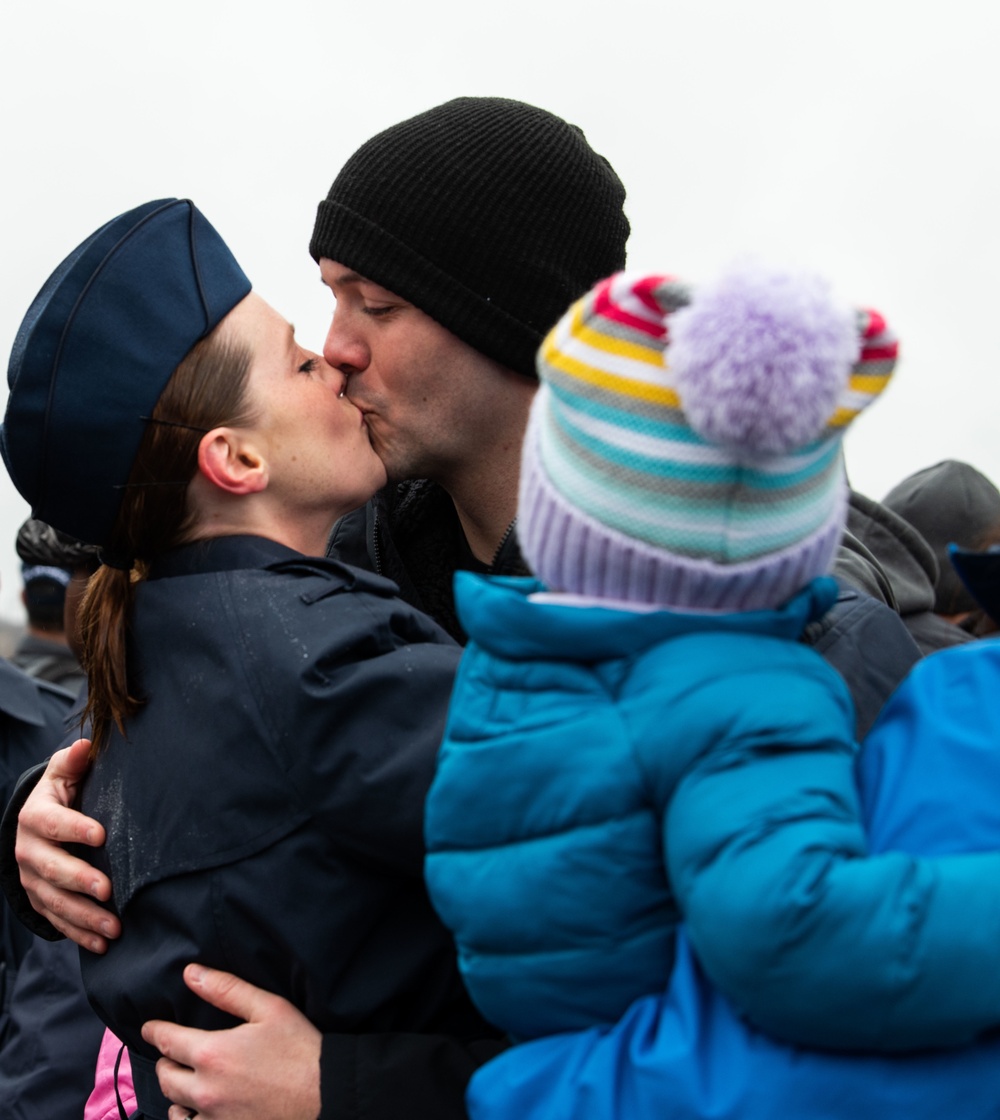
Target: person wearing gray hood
949	503
885	556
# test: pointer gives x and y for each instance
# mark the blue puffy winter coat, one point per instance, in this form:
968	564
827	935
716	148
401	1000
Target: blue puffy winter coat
928	776
606	772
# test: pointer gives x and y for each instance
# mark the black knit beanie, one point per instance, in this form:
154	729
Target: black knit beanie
489	215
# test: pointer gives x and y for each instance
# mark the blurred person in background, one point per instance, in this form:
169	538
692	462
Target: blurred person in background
885	556
950	503
54	568
51	1035
33	714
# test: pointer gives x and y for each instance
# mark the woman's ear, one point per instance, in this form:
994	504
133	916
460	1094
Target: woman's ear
230	462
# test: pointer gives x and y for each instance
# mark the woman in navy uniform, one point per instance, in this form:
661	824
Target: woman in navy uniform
264	721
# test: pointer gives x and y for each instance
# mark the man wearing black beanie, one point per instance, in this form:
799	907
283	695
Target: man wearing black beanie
452	242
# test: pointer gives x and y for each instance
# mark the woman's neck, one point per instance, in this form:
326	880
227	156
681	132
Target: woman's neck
304	532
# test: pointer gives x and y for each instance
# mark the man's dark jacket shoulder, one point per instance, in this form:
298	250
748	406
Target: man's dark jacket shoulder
410	533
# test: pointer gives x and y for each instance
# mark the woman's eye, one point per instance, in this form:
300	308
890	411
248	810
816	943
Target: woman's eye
308	365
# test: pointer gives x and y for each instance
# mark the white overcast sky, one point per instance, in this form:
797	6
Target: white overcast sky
859	137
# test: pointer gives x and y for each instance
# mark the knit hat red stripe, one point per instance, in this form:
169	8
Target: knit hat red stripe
608	305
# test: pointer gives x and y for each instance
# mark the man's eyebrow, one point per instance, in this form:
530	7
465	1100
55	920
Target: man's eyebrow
346	278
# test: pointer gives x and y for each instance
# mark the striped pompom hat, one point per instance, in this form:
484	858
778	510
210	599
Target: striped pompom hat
684	449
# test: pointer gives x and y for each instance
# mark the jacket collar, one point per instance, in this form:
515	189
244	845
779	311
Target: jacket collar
498	615
221	554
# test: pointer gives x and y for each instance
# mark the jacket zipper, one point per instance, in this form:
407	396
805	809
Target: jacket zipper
502	544
376	551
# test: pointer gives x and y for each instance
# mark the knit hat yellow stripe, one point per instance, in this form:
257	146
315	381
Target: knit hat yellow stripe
859	393
842	417
615	383
613	349
872	384
648	355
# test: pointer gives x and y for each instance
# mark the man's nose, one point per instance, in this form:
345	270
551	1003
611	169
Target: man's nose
343	350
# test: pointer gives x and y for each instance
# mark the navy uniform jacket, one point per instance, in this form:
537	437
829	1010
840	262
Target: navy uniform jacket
32	715
50	1043
50	1035
264	813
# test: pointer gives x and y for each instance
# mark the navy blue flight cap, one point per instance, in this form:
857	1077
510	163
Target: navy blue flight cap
97	348
980	572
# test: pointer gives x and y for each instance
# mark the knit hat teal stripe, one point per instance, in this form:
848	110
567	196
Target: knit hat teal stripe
696	531
628	473
689	518
653	451
631	481
633	415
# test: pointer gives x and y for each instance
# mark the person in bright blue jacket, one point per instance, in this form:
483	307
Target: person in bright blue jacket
928	775
640	739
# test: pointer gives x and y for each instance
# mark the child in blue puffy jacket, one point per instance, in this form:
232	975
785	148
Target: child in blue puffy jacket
641	739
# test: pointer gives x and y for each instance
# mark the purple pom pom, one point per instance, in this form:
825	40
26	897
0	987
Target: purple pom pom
760	359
